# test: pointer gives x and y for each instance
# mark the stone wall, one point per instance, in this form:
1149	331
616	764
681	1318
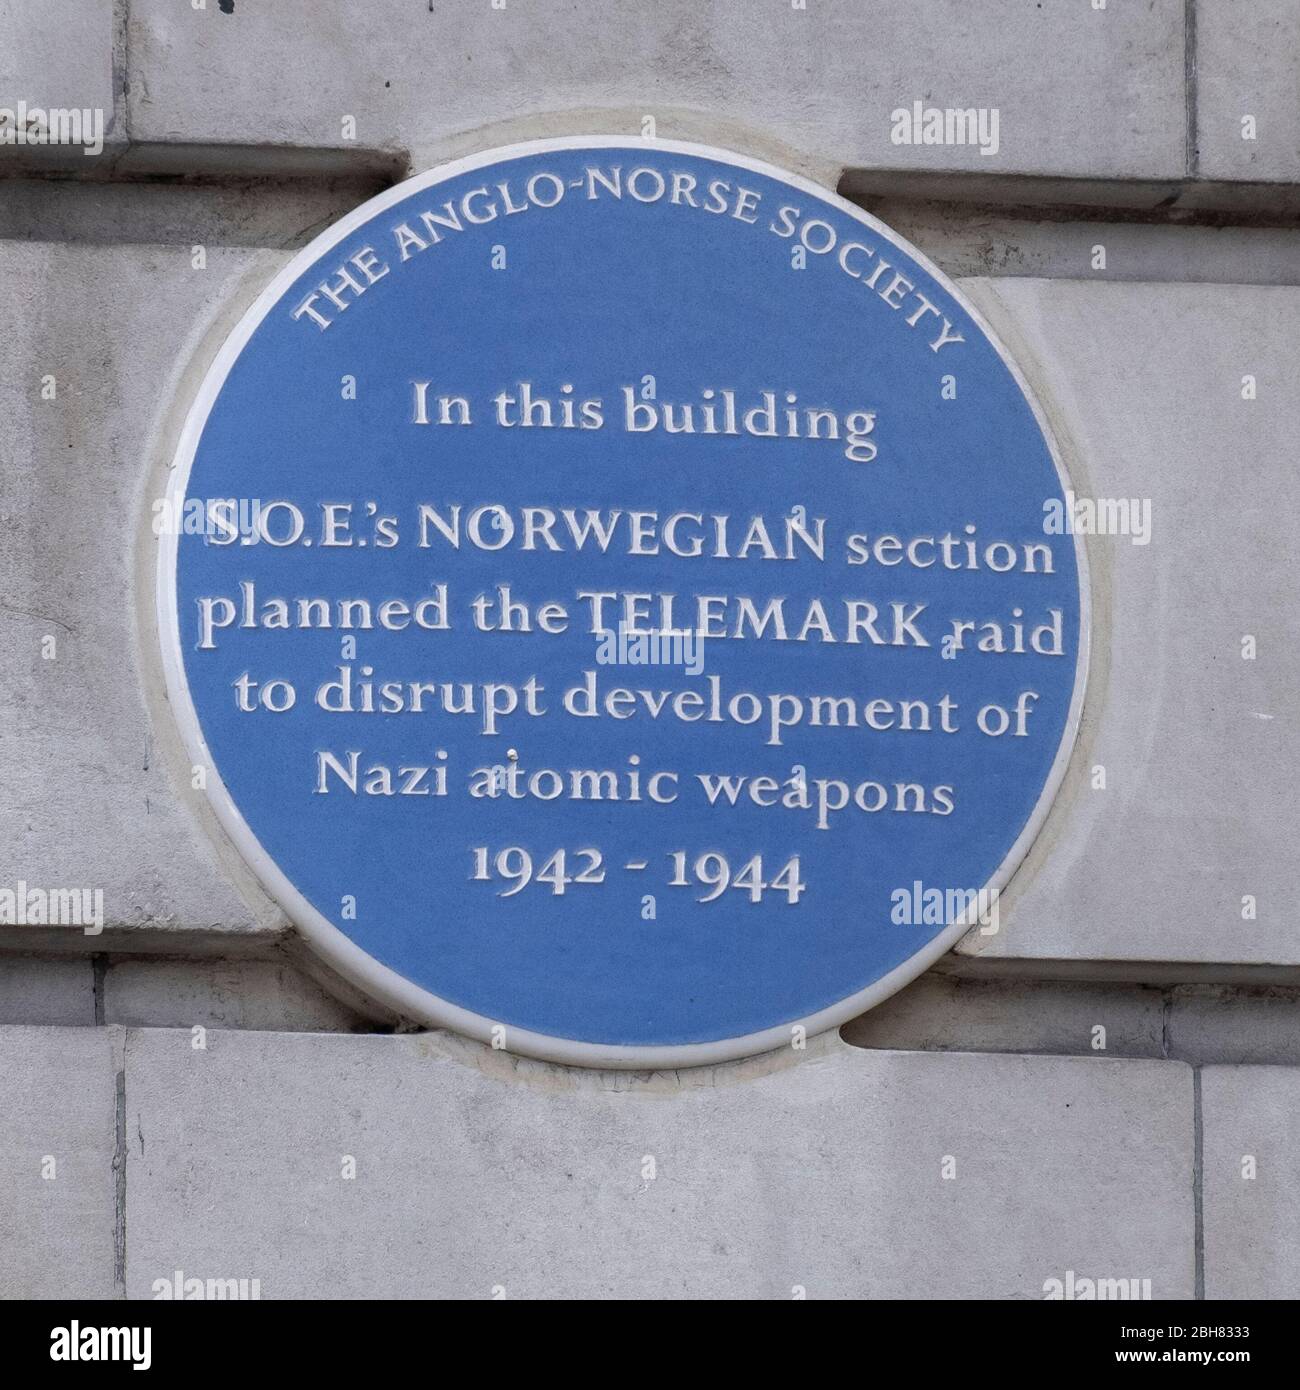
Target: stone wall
1134	242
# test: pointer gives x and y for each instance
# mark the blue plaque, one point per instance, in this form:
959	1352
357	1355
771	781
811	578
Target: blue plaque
605	591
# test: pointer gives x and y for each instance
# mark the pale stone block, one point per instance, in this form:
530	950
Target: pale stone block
821	1171
58	1199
